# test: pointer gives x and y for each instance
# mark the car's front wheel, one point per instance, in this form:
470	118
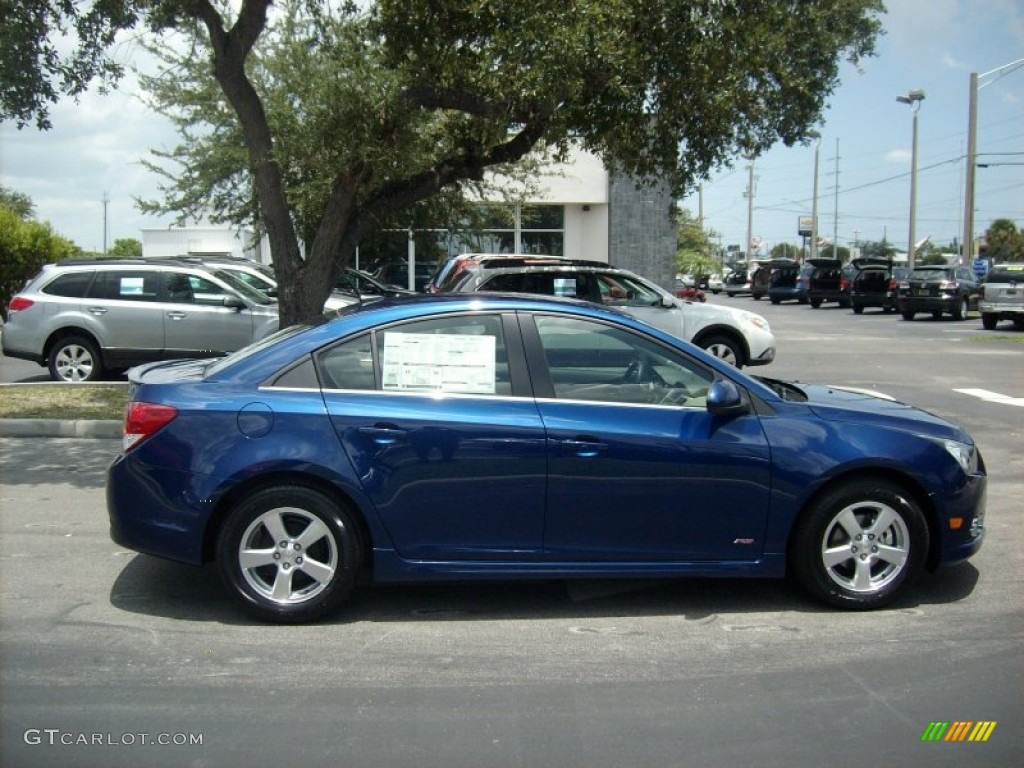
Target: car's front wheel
860	544
725	349
289	553
75	359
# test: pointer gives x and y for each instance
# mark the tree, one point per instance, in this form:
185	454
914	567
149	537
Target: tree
17	202
785	251
350	117
1005	242
693	246
126	248
24	247
879	249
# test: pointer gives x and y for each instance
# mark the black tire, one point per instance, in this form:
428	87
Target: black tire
989	321
907	315
961	309
74	359
775	301
858	309
936	314
860	545
311	547
724	349
815	303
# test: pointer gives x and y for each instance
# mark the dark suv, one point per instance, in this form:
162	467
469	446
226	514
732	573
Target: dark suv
876	285
938	289
828	281
789	283
761	278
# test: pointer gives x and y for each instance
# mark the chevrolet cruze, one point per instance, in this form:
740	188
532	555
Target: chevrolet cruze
492	436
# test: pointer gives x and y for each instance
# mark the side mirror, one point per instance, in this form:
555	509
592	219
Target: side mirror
725	399
235	303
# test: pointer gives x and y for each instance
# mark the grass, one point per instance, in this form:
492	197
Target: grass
63	401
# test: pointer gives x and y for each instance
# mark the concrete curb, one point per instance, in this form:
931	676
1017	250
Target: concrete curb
59	428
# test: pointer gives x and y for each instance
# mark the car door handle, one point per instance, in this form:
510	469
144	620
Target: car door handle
177	315
97	310
383	435
584	448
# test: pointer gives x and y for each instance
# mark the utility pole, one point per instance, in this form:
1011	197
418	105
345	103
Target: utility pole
750	207
106	201
835	209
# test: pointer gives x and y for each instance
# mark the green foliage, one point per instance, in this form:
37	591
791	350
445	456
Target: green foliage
1005	242
786	251
24	247
126	248
877	249
694	252
327	123
18	202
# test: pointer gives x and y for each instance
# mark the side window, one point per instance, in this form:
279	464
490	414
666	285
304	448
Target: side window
186	288
623	291
125	285
512	282
349	365
464	354
72	285
596	362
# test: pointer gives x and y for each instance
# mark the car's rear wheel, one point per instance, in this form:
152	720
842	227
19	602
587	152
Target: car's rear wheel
961	309
289	553
75	359
815	303
860	544
989	321
725	349
858	309
907	315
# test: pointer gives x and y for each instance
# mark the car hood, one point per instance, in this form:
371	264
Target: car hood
713	312
860	406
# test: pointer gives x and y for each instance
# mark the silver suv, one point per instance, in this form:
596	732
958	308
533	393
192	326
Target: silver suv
733	335
1001	296
81	317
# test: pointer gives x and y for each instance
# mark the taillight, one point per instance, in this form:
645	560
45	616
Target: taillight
141	420
18	303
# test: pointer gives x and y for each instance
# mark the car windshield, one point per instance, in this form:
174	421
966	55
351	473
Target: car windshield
246	290
1010	273
930	273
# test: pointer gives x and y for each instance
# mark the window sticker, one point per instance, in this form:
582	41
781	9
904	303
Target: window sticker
428	362
132	286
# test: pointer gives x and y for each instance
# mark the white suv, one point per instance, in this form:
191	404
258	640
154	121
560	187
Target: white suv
733	335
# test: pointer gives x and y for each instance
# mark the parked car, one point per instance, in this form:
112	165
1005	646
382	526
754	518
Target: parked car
715	284
762	276
790	283
734	335
355	282
259	276
1001	296
483	437
828	281
877	285
689	292
451	271
396	272
80	317
938	289
737	282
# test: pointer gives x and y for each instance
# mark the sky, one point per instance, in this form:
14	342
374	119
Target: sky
95	147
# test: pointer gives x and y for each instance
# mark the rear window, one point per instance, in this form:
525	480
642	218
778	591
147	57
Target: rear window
72	285
1008	273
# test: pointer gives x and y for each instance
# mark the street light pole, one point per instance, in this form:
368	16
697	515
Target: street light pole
814	203
972	151
914	99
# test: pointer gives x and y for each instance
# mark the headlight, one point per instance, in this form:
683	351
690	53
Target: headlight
964	453
760	322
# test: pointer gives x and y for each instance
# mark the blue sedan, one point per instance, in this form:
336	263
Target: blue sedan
508	437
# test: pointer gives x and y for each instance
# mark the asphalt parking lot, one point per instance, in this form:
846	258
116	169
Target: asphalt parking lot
116	659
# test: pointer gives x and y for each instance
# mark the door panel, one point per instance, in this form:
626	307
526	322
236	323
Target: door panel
454	464
638	468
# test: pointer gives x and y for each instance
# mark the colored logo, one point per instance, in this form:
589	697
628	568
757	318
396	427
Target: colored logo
958	730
